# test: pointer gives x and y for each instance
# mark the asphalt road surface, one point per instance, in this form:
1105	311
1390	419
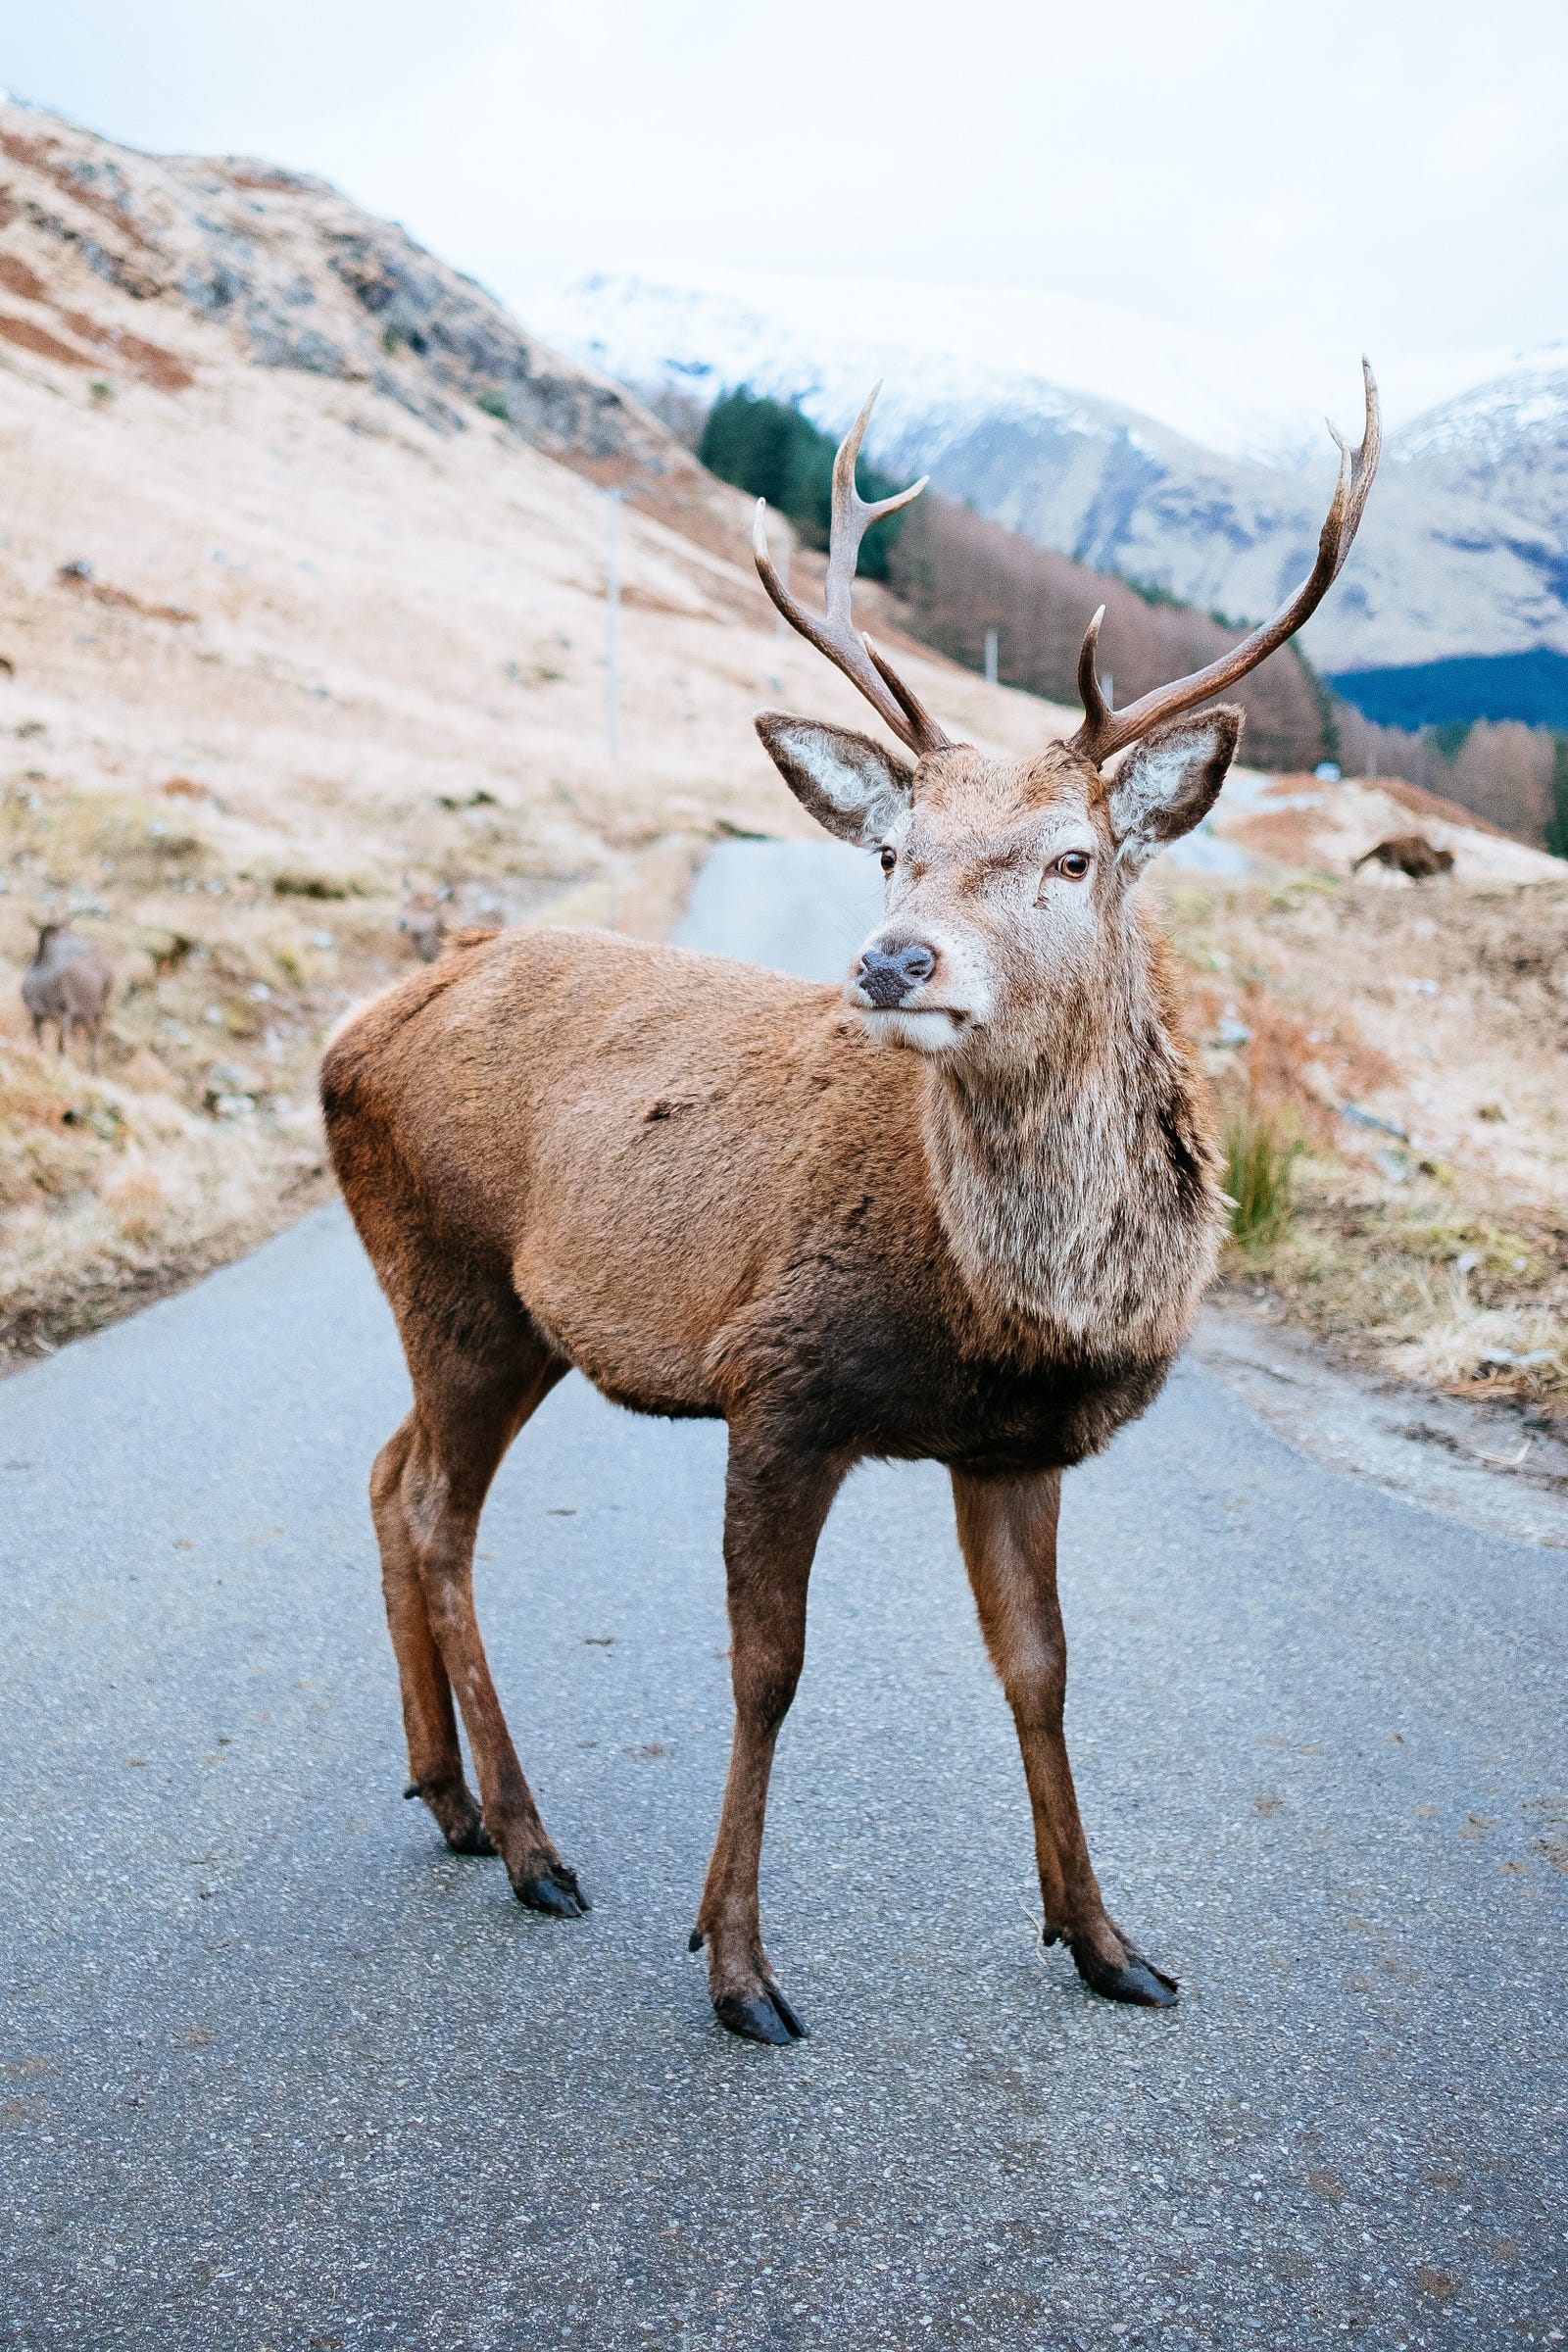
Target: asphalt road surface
281	2072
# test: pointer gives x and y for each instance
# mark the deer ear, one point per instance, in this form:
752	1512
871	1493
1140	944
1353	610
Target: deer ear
1170	783
847	782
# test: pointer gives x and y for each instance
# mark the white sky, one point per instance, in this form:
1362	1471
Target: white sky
1310	177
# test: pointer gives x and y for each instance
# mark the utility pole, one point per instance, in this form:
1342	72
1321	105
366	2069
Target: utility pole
612	630
991	657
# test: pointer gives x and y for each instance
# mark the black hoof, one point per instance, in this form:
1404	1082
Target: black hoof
787	2014
557	1893
766	2016
455	1815
1139	1982
472	1838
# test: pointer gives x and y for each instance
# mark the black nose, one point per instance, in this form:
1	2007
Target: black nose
887	979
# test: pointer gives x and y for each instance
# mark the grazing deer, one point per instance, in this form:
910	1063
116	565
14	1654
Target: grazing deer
1408	854
963	1208
67	982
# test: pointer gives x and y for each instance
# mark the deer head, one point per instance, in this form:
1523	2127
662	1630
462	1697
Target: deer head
1008	881
422	923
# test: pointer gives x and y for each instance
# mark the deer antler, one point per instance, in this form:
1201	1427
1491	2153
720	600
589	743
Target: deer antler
835	634
1106	731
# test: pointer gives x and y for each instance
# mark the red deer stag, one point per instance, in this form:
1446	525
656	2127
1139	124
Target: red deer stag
963	1208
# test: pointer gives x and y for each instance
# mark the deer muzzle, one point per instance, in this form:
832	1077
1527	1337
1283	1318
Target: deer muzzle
885	976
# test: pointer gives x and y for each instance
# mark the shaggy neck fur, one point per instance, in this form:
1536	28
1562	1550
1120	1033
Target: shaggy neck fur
1078	1197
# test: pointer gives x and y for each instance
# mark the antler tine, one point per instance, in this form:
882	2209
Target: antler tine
1096	710
854	516
835	634
909	701
1105	732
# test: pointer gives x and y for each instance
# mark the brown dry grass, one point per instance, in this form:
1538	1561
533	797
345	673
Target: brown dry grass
1438	1254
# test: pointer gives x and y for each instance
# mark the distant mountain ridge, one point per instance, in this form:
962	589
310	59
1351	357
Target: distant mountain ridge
1214	488
948	354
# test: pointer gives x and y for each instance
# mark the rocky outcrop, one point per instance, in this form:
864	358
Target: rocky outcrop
117	264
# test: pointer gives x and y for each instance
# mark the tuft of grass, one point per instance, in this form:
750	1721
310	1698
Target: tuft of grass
1477	1351
1260	1155
289	885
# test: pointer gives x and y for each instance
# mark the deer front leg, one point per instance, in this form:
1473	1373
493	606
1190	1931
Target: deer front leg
776	1504
1007	1528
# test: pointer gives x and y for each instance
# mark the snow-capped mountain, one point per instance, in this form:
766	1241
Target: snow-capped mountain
1525	406
1156	452
951	355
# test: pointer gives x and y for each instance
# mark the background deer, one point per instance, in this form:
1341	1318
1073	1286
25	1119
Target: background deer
67	982
1408	854
963	1208
422	923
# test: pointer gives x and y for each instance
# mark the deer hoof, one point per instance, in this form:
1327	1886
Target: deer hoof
555	1891
764	2016
472	1838
1138	1983
455	1815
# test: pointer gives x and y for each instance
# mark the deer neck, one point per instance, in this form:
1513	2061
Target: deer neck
1077	1196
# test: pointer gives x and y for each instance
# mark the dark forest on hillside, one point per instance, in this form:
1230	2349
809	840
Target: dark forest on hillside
769	449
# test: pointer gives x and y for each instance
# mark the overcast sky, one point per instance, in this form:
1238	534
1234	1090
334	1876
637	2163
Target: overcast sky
1311	179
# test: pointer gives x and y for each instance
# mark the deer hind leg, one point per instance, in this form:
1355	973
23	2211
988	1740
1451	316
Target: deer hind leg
1007	1529
429	1719
774	1508
427	1489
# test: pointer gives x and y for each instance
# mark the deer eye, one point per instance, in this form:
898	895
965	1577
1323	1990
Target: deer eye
888	859
1074	863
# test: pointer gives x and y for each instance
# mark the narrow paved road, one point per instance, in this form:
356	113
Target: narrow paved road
280	2072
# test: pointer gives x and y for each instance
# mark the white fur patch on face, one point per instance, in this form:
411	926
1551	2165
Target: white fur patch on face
922	1032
